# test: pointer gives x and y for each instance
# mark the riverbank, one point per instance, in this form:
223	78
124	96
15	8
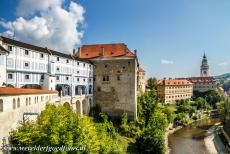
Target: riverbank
213	142
209	140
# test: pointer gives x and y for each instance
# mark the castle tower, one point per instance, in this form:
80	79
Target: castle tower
204	67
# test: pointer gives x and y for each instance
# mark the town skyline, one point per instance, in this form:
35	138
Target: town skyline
170	37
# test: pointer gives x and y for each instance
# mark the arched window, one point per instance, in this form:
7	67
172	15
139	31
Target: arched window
18	103
14	103
1	105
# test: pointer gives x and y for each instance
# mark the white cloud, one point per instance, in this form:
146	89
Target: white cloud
53	26
29	7
226	63
164	61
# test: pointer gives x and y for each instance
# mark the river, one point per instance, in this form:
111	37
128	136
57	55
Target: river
190	139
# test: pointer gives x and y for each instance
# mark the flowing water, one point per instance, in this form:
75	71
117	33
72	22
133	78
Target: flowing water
190	139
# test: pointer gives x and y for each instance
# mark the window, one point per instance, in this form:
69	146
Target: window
84	80
129	63
1	105
77	72
83	65
78	79
57	58
106	65
41	55
78	63
26	52
26	101
10	48
14	104
105	78
57	78
42	77
26	64
27	77
67	61
18	103
118	77
67	78
98	88
58	69
10	76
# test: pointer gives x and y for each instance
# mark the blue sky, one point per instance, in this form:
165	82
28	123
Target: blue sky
170	36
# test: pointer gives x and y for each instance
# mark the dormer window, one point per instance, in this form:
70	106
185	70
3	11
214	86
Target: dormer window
26	52
10	48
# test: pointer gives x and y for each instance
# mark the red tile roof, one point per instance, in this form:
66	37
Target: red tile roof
20	91
200	79
174	82
104	50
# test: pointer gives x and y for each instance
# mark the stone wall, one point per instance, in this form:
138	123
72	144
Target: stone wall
119	93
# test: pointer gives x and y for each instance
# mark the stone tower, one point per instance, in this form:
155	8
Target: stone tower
204	67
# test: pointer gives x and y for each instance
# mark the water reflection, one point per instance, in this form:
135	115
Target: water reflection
190	140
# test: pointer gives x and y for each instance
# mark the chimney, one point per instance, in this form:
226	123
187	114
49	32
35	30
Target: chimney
79	53
102	51
135	52
74	51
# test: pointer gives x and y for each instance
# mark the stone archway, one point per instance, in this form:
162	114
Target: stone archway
78	107
66	104
85	107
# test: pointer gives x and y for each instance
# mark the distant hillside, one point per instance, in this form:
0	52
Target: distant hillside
223	76
224	81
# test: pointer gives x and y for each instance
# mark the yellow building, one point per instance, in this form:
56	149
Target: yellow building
170	90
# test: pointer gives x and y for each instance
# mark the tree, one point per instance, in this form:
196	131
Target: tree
202	103
152	138
224	110
146	105
152	83
60	125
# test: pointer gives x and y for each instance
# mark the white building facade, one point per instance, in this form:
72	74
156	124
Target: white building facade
25	65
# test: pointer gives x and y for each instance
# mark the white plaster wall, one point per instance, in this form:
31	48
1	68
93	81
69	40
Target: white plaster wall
10	118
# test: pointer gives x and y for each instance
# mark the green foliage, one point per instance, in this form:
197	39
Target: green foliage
152	138
170	113
152	83
224	109
128	129
226	85
181	119
57	126
185	106
212	97
201	103
146	105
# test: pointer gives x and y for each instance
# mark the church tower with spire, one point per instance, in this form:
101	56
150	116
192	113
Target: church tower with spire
204	67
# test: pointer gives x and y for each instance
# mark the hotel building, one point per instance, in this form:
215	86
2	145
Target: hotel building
171	90
24	65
